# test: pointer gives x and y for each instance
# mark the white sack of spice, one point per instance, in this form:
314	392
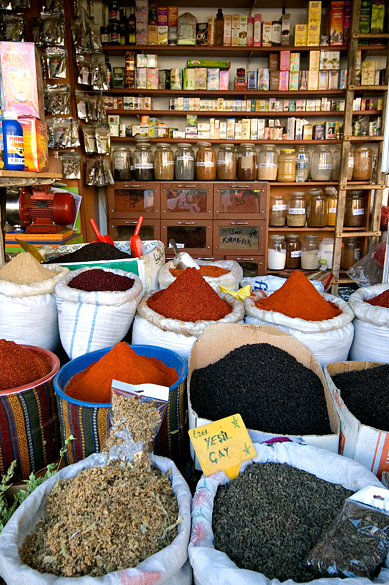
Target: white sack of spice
136	416
122	518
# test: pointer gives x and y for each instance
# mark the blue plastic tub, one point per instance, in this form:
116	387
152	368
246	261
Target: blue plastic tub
89	422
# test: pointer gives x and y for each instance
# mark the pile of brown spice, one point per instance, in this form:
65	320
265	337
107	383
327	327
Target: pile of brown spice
104	519
205	270
24	269
20	366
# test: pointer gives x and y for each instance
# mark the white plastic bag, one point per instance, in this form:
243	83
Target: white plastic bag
28	312
169	566
272	283
145	333
230	281
213	567
371	323
89	321
188	328
328	340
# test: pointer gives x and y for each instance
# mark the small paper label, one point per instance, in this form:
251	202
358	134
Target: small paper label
296	254
332	210
279	207
267	165
296	211
143	166
222	445
358	212
323	167
207	163
185	157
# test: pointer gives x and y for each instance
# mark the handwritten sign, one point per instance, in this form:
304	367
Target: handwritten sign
222	445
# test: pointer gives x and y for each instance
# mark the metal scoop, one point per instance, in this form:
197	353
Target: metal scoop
183	260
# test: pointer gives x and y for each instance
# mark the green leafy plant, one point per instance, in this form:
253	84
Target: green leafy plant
31	484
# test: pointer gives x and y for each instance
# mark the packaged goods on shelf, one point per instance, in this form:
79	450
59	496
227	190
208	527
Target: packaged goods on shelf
36	154
300	35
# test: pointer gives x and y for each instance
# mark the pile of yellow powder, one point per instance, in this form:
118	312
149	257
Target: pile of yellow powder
24	269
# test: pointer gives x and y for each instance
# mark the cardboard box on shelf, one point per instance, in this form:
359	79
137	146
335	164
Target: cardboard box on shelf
219	339
285	30
335	17
36	154
367	445
300	35
314	11
257	30
313	34
227	32
267	26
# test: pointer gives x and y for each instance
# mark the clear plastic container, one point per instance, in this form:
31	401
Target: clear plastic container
247	162
276	253
278	210
142	160
226	163
121	164
297	209
287	165
354	214
310	254
317	208
351	252
267	163
332	205
164	163
303	164
321	163
326	248
184	162
363	163
293	251
205	162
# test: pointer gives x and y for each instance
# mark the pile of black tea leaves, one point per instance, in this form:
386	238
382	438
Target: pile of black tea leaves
365	393
94	251
268	387
269	518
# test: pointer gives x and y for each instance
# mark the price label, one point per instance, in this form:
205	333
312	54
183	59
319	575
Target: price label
222	445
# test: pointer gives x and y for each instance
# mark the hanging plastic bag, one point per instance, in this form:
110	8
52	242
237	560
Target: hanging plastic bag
369	269
54	6
71	165
58	99
56	62
36	31
98	173
89	139
99	77
84	70
103	140
14	27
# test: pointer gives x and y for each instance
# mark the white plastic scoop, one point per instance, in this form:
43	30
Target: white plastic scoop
183	260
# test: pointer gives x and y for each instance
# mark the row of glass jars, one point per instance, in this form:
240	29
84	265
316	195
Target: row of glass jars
288	252
316	209
230	163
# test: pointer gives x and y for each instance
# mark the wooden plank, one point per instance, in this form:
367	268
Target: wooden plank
360	88
364	186
30	175
370	35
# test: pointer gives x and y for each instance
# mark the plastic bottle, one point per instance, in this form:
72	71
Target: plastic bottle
219	28
13	142
300	169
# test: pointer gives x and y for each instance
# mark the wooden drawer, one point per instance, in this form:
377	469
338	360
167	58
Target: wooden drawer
241	238
131	199
121	229
186	200
239	199
252	265
193	236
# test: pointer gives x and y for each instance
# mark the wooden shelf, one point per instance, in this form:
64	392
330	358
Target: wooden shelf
363	88
183	50
363	138
310	229
370	36
24	178
213	141
30	174
215	113
353	185
226	93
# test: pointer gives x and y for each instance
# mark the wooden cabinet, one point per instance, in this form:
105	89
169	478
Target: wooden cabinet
246	236
236	200
123	229
192	200
195	236
127	199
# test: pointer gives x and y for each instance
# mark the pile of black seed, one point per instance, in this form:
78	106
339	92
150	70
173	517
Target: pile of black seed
366	395
270	516
97	251
271	390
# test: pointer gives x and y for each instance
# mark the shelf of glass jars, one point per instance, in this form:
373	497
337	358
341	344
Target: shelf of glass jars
214	141
316	230
230	92
243	113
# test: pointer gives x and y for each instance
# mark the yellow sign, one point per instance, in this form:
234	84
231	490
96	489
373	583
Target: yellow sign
222	445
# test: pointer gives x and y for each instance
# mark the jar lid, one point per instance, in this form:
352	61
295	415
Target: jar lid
327	241
277	238
298	193
204	144
311	237
292	236
227	145
268	147
287	150
358	193
139	138
121	149
163	145
315	192
247	144
184	145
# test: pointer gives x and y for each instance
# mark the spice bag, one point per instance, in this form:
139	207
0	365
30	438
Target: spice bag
29	313
169	566
211	566
94	320
328	340
179	336
272	283
230	281
371	323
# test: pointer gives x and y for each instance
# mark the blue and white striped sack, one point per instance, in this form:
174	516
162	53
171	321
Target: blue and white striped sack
89	321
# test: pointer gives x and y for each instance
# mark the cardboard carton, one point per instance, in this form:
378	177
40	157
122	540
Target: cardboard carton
219	339
367	445
36	154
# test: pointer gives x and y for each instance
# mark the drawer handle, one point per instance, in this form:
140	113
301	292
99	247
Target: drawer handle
186	223
239	223
246	259
133	186
188	186
131	222
240	186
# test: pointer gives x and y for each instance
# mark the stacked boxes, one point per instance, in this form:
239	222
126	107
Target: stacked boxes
142	15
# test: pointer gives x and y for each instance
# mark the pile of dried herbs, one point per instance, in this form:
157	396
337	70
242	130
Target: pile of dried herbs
270	517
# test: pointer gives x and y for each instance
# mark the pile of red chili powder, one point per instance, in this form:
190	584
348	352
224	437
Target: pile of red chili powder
19	366
205	270
298	298
189	298
121	363
381	300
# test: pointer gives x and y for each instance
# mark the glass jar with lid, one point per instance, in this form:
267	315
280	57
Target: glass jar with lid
247	162
184	162
121	164
297	209
326	248
143	160
351	252
286	165
310	254
164	162
335	163
267	163
205	162
321	163
354	214
276	253
293	251
278	210
332	205
317	208
226	163
363	163
303	164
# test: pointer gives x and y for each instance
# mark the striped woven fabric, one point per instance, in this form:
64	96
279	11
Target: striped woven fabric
29	430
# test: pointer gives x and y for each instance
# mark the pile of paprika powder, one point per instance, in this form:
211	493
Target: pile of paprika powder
121	363
298	298
205	270
20	366
381	300
189	298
